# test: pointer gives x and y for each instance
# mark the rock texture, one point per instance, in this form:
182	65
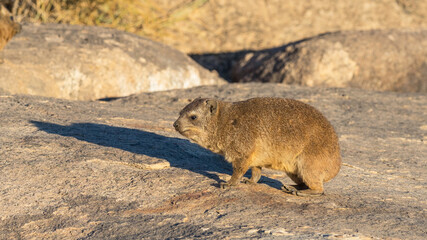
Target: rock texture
118	170
382	60
87	63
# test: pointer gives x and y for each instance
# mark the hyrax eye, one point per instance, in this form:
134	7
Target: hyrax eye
193	117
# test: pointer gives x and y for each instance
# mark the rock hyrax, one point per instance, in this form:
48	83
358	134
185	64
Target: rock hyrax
276	133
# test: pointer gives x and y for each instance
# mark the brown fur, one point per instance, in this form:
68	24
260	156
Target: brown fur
8	28
276	133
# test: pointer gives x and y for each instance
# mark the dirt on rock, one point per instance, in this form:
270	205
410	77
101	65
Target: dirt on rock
118	170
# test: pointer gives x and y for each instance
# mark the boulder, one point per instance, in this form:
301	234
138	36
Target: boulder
118	170
87	63
381	60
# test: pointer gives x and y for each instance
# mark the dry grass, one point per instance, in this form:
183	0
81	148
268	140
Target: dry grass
144	17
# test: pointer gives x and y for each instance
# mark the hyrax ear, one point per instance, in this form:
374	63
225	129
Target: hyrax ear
212	105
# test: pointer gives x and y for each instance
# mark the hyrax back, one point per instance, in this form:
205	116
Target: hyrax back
276	133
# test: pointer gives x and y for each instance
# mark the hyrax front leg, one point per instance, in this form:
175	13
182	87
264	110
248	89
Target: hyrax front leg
239	169
255	176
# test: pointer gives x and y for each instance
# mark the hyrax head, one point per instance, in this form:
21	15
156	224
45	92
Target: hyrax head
196	119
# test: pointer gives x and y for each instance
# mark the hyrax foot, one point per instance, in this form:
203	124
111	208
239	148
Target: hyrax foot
309	193
225	185
289	189
248	181
293	189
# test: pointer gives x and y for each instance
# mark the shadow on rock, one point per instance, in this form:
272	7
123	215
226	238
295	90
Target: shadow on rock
178	152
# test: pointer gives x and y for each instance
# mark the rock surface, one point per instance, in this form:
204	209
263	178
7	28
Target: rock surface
382	60
87	63
118	170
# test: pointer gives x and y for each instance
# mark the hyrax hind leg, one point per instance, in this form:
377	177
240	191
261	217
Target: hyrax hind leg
311	173
309	179
305	189
293	189
315	188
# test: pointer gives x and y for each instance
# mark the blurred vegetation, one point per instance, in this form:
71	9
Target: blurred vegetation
143	17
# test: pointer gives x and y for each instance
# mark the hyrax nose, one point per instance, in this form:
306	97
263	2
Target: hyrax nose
175	125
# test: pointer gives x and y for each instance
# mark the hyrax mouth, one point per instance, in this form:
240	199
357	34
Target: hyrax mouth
185	132
188	132
179	128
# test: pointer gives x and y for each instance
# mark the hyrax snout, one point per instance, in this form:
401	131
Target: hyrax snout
276	133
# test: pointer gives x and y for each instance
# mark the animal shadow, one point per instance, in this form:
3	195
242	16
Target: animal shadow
178	152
